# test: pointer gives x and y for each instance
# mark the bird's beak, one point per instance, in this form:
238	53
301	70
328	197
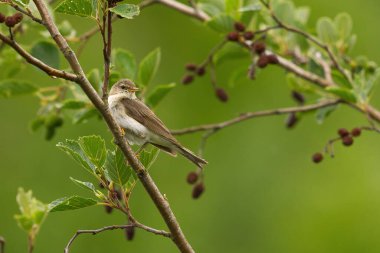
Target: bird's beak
133	89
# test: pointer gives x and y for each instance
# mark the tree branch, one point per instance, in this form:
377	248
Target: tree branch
2	244
161	203
249	115
108	228
36	62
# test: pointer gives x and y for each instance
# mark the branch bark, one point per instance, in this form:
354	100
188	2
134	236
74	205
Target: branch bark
2	244
161	203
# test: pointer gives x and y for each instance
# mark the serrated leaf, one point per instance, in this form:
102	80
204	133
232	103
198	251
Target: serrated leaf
148	158
84	185
10	88
149	66
47	52
125	62
94	148
73	104
126	10
71	203
221	23
117	168
81	8
73	149
343	93
159	93
326	30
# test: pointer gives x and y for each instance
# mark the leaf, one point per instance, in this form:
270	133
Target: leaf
73	149
159	93
84	115
23	2
252	7
71	203
114	77
37	123
149	66
94	148
210	9
125	62
81	8
340	79
33	211
47	52
343	93
117	168
94	78
229	52
323	113
73	104
84	185
343	23
221	23
148	158
326	30
10	88
232	8
126	10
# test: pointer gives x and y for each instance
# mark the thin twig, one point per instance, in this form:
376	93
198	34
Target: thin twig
107	47
108	228
26	12
250	115
2	244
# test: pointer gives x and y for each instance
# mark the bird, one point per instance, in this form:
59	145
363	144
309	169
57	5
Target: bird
140	124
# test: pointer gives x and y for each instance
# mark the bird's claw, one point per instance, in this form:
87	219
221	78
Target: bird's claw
122	131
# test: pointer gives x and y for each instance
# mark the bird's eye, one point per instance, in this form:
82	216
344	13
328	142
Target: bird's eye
123	87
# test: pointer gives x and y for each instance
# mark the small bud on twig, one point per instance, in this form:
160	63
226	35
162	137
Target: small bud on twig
272	59
130	233
298	97
2	18
317	158
356	132
263	61
221	94
233	36
108	209
10	21
291	120
248	35
191	67
259	47
343	132
198	190
201	71
192	177
240	27
187	79
18	17
347	141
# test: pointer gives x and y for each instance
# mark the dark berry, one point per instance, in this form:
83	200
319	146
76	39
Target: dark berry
347	141
292	120
192	177
343	132
317	158
221	94
201	71
187	79
263	61
10	21
198	190
18	17
272	59
2	18
248	35
233	36
259	47
117	194
240	27
298	97
191	67
356	132
101	186
130	232
108	209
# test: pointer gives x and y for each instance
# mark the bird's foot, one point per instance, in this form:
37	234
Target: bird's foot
122	131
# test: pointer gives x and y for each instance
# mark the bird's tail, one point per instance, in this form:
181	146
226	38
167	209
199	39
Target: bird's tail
191	156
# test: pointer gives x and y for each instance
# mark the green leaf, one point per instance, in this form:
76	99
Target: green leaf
326	30
232	8
343	93
148	158
95	80
126	10
159	93
37	123
117	168
343	24
47	52
81	8
84	115
340	79
125	62
84	185
114	77
149	66
73	149
23	2
323	113
210	9
73	104
221	23
33	211
229	52
94	148
71	203
252	7
10	88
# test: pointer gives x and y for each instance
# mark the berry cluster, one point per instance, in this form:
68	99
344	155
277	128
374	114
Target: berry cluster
12	20
264	60
240	34
199	188
194	70
345	136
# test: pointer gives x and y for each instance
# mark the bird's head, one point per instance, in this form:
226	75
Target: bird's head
124	86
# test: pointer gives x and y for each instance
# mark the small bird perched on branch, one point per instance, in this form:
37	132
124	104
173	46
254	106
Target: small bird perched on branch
141	125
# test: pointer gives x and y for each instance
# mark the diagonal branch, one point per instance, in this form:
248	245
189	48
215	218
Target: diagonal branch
2	244
250	115
36	62
108	228
159	200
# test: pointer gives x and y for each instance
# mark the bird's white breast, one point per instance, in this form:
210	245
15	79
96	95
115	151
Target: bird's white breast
136	133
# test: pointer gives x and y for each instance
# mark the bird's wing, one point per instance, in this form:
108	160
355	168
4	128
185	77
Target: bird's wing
137	110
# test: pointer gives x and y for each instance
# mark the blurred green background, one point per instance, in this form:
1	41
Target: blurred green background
263	194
